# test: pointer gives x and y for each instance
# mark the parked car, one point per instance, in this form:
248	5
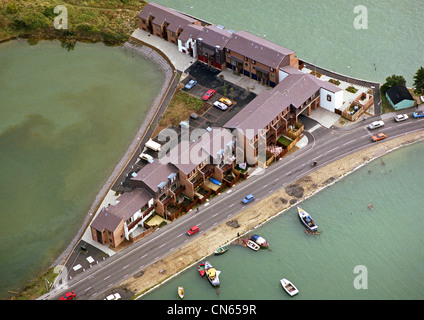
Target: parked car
68	296
379	136
208	94
113	296
376	124
190	84
418	114
248	198
192	230
226	101
401	117
220	105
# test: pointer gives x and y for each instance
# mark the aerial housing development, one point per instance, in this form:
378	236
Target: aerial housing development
170	187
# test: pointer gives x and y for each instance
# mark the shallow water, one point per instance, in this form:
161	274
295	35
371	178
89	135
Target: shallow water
67	119
385	242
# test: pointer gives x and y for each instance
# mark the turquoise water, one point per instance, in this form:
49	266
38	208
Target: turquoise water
386	239
323	32
67	119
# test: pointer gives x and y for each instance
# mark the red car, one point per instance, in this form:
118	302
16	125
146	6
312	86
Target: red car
68	296
192	230
208	94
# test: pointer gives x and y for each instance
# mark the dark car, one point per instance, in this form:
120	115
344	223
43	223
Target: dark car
68	296
208	94
190	84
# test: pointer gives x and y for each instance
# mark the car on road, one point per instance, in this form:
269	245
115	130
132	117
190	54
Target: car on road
190	84
248	198
192	230
418	114
208	94
401	117
379	136
226	101
220	105
375	125
113	296
68	296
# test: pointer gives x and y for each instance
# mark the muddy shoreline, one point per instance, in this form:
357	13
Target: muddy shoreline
278	203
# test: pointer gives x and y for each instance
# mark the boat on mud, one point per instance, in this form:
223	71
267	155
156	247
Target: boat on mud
212	274
221	250
289	287
307	219
259	240
251	244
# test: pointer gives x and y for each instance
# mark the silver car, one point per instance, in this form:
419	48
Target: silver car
376	124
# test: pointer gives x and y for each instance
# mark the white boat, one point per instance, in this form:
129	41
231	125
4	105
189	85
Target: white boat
306	219
212	274
252	245
289	287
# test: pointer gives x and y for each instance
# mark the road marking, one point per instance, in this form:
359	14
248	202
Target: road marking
229	191
265	186
314	128
231	205
214	215
126	266
162	245
276	179
171	249
180	235
87	289
144	256
106	278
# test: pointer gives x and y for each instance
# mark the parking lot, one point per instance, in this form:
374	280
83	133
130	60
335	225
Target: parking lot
207	78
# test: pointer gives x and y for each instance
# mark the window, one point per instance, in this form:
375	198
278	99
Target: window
329	97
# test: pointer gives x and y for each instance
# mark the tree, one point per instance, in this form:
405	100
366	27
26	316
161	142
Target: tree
393	81
419	81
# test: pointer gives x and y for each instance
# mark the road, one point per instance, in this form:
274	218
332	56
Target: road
324	146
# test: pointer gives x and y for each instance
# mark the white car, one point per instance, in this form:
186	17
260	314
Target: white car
401	117
220	105
113	296
376	124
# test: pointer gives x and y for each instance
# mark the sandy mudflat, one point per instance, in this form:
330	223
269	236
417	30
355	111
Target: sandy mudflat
258	213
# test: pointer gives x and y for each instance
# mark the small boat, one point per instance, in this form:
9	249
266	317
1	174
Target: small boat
201	269
289	287
259	240
212	274
181	292
217	182
252	245
306	219
221	250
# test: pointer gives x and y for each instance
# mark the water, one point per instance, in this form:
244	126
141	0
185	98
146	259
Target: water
323	32
66	120
386	239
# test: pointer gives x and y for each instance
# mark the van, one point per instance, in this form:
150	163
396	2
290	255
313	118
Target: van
153	145
147	157
376	124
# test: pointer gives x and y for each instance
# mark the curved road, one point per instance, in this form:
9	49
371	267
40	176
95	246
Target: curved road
324	145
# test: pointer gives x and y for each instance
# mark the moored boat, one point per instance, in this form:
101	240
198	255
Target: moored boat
181	292
221	250
201	269
289	287
306	219
259	240
252	245
212	274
